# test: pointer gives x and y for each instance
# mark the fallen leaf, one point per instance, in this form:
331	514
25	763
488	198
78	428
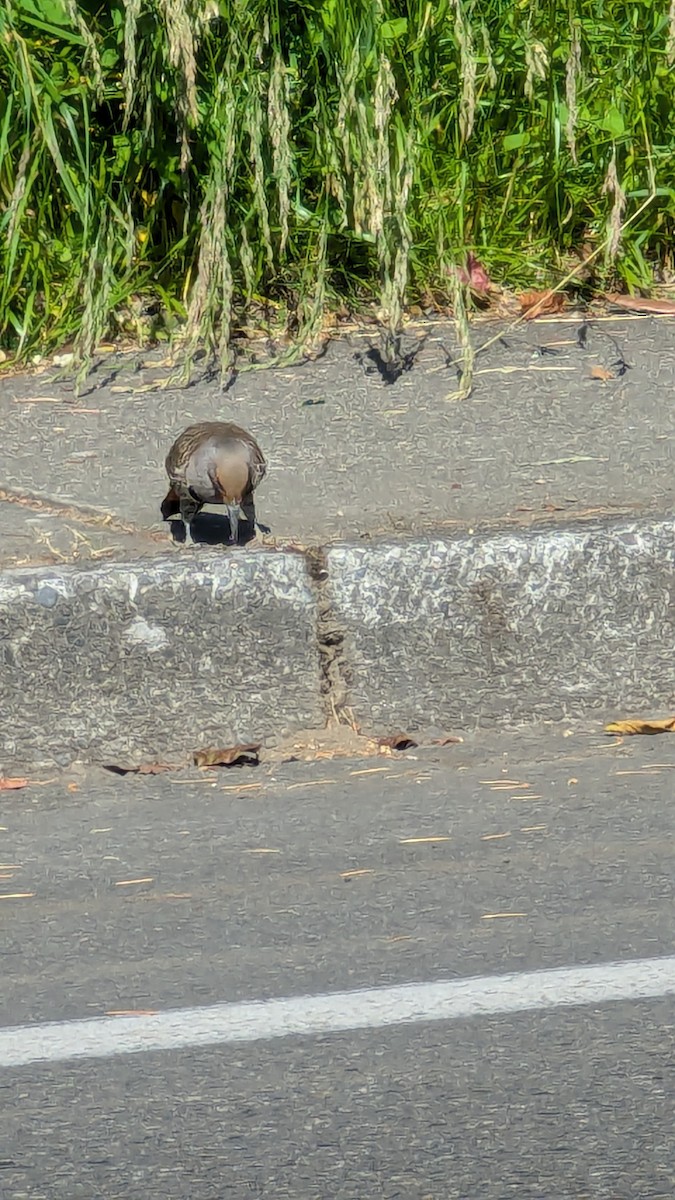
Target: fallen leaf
639	725
233	756
447	741
12	785
538	304
602	373
662	308
143	769
398	741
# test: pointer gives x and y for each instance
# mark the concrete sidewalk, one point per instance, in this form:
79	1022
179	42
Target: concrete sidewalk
504	558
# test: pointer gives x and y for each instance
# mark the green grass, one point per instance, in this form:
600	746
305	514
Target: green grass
166	165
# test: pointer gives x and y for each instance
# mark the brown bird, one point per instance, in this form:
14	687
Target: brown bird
214	462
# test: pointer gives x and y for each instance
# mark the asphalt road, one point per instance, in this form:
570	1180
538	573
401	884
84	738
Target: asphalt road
536	852
349	456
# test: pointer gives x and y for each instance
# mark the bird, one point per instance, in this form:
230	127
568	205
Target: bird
213	462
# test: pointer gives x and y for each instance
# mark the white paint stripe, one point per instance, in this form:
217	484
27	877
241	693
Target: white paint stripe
375	1008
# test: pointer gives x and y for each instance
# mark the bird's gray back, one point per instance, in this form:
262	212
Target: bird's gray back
197	453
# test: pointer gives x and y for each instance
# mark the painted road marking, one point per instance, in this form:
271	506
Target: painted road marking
374	1008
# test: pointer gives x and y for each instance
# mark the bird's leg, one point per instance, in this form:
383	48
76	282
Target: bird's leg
247	507
249	515
234	513
188	512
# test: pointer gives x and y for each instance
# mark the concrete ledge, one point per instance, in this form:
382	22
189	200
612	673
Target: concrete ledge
155	658
508	628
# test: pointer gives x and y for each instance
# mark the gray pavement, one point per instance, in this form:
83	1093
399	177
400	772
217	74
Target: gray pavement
301	878
351	457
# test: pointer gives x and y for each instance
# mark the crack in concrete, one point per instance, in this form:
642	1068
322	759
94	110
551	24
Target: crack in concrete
330	638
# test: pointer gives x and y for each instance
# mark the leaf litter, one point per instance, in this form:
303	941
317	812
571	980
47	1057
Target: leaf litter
538	304
342	741
244	755
641	725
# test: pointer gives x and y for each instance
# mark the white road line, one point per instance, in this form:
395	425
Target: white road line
375	1008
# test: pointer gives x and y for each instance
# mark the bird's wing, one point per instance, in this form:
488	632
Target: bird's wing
257	466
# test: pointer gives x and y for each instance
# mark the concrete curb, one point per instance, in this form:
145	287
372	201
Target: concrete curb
146	659
155	658
510	627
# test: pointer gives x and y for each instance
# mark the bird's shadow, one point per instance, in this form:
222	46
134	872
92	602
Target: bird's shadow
211	529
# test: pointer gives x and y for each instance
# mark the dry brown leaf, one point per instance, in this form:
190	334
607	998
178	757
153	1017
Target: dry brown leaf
450	740
398	741
538	304
659	308
12	785
640	725
143	769
602	373
233	756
